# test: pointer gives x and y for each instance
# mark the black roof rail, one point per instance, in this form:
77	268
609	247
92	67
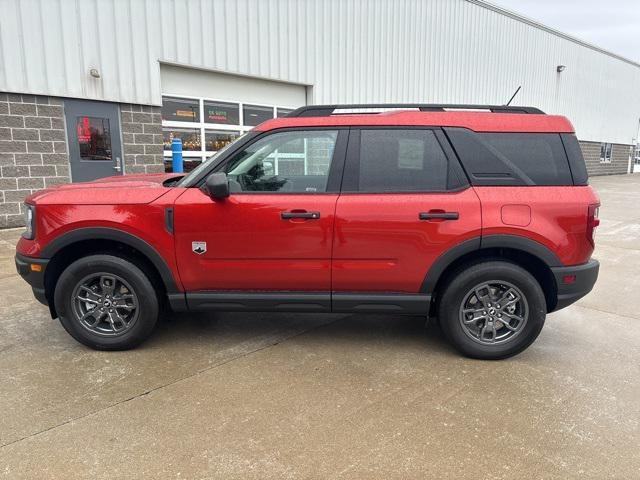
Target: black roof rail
327	110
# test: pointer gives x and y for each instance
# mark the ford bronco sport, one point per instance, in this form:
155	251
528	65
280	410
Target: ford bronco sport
480	216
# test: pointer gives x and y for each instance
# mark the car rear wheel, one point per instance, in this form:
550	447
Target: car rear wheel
106	302
492	310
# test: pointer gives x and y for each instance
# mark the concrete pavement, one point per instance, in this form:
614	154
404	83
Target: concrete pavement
346	396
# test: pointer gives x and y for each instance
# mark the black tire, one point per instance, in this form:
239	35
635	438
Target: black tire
142	319
459	290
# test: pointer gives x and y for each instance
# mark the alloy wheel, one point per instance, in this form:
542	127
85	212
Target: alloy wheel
105	304
493	312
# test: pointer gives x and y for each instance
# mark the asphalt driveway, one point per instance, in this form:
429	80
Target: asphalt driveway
345	396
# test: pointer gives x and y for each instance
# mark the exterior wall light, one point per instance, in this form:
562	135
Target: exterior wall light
94	73
560	68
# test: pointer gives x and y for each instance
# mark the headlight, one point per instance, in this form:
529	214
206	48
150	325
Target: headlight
29	221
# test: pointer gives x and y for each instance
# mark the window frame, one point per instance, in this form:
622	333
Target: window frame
350	182
203	126
336	167
606	146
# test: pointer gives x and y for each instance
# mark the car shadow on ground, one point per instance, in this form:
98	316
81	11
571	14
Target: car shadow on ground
360	329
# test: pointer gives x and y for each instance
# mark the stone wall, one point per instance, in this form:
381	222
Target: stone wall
619	159
141	138
33	151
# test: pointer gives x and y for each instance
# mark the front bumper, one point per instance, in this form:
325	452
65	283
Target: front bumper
585	278
33	278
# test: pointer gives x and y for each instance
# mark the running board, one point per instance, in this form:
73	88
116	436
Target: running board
413	304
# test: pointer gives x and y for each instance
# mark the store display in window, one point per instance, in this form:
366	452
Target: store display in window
221	113
191	141
180	109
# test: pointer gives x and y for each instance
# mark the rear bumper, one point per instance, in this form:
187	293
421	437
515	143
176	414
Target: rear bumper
585	278
35	279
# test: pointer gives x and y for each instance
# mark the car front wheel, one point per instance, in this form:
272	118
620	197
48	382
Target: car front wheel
106	302
492	310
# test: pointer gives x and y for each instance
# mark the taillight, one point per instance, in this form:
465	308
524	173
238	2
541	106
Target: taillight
592	221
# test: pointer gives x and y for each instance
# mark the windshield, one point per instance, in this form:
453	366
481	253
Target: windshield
186	180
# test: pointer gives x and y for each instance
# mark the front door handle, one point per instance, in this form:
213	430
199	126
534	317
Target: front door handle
439	215
300	214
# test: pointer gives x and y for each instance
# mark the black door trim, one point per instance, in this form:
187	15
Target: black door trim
414	304
314	302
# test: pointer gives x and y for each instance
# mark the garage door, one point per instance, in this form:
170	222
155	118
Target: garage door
207	109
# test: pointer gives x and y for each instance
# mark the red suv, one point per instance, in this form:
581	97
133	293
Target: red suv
480	216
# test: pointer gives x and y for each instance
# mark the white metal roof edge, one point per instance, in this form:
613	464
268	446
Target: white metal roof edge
533	23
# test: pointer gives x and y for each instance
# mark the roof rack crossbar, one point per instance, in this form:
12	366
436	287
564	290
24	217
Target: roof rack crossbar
328	110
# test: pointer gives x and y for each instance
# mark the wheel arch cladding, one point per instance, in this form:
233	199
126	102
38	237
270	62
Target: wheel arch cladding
534	257
85	241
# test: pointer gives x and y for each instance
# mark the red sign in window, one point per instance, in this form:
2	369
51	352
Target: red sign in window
94	138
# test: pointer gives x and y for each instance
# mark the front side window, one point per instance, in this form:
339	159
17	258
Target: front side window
286	162
397	160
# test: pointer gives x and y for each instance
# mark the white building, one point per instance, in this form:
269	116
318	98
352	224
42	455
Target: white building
139	70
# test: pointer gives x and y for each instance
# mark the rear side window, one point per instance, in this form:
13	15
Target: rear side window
396	160
512	158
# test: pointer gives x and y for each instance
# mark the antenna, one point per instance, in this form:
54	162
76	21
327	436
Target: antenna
514	96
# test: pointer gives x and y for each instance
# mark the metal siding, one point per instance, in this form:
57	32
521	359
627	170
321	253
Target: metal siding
348	50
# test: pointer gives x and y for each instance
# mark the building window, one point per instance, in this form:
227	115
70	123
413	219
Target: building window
605	152
222	112
206	125
180	110
217	139
190	138
254	114
283	112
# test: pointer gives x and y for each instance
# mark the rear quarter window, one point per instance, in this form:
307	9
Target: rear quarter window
512	158
576	159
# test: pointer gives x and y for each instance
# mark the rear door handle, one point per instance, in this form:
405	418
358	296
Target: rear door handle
436	215
302	214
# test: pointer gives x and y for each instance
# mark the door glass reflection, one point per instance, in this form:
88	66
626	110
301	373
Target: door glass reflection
94	138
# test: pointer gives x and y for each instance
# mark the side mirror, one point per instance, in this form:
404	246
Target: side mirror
217	186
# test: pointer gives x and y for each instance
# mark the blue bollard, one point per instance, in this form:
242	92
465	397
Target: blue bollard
176	156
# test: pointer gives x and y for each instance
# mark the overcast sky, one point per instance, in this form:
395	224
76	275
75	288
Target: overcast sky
610	24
